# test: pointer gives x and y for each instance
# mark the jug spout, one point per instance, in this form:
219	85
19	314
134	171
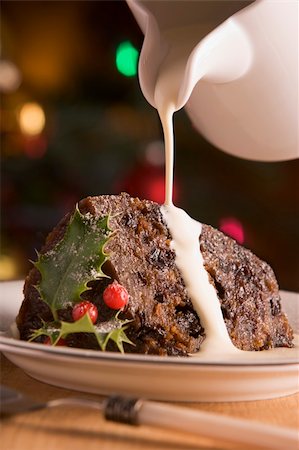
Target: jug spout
182	29
223	56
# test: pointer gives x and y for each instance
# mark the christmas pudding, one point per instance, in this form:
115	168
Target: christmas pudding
107	278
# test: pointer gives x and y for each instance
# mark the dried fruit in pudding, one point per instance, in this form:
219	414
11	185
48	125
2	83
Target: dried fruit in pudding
122	241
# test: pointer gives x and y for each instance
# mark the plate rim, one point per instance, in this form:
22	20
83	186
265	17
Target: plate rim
12	345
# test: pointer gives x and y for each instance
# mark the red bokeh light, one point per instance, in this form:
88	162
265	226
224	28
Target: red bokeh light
233	228
35	147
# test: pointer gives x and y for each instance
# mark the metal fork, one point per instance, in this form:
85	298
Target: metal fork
116	408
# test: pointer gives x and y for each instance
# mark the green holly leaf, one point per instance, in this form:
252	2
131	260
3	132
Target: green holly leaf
118	336
77	259
85	325
46	329
113	329
66	271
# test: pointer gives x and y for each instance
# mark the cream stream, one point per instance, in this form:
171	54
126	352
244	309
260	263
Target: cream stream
186	231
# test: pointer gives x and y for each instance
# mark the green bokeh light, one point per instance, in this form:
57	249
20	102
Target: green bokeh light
126	59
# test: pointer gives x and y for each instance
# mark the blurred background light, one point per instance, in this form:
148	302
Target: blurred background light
8	268
34	147
32	119
233	228
126	59
154	153
10	76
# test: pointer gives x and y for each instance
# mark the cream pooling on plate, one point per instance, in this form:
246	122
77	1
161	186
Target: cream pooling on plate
186	244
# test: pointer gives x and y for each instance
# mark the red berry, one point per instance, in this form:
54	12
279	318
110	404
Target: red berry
48	341
115	296
80	309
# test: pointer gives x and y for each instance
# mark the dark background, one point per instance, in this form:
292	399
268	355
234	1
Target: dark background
97	133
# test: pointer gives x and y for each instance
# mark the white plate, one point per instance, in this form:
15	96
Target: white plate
262	375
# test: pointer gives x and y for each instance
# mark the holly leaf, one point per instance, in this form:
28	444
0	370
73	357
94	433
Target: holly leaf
65	272
119	337
76	259
113	329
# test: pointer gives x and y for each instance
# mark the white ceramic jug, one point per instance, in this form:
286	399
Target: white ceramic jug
237	75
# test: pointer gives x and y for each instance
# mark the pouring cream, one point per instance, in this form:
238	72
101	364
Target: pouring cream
186	245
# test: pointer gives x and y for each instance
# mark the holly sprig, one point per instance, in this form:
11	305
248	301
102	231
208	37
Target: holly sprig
66	271
113	330
76	260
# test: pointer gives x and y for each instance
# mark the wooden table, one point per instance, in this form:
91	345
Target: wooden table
80	428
